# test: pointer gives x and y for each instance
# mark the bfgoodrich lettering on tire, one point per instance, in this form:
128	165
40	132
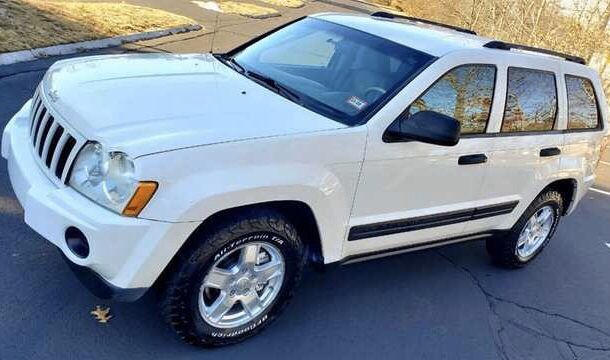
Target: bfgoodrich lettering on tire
530	234
235	280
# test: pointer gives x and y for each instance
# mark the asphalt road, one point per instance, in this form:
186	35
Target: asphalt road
448	303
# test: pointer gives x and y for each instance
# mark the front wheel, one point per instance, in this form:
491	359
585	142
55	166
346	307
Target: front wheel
530	234
236	281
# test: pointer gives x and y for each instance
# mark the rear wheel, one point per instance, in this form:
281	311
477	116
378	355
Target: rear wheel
236	281
530	234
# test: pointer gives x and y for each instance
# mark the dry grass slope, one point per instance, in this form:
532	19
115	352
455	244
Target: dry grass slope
248	10
27	24
286	3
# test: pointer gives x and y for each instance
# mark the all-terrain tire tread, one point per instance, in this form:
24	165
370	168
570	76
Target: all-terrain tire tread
502	248
173	304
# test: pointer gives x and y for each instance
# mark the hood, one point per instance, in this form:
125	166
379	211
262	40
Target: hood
142	104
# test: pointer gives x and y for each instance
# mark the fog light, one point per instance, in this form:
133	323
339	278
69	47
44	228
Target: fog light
77	242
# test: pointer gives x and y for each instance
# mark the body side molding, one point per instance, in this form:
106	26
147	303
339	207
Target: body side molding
428	221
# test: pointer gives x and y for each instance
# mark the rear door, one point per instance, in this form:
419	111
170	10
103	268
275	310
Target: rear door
528	140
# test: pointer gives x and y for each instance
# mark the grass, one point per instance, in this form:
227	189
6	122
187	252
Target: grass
28	24
248	10
285	3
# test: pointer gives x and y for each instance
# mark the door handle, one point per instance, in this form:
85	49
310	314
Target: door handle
554	151
472	159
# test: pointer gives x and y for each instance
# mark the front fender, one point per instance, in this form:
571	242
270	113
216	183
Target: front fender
321	171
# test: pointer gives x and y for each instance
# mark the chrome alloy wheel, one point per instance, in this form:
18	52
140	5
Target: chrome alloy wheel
535	232
241	285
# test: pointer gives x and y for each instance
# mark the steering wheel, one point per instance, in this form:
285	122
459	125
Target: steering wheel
371	90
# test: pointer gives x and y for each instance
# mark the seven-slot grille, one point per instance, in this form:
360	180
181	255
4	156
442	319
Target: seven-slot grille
53	144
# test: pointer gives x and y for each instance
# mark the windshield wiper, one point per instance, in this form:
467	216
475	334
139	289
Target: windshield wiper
265	80
278	87
229	60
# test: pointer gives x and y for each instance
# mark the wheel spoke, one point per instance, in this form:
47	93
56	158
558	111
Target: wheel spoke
249	254
251	303
220	307
524	237
268	271
531	224
535	231
217	278
233	295
544	215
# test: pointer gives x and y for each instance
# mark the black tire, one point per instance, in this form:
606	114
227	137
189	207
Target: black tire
180	299
503	248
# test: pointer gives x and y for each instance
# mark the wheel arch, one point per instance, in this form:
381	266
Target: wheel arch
297	212
567	188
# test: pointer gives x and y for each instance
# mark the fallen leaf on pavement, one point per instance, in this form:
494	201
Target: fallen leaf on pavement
101	315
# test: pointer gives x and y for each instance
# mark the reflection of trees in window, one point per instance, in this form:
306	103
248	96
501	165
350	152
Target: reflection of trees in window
582	105
465	93
531	102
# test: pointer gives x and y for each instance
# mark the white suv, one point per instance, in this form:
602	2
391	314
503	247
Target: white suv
333	139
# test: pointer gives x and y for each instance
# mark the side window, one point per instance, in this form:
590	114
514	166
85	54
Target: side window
582	104
464	93
531	101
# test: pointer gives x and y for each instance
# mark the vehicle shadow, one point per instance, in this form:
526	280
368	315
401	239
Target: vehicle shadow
352	311
340	313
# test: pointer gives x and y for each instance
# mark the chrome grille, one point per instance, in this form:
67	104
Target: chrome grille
53	144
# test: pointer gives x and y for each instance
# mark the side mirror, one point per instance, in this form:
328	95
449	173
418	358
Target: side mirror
424	126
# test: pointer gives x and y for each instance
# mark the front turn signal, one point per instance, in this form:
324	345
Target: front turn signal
141	197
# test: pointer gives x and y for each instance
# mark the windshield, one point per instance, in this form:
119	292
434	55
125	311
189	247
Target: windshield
339	72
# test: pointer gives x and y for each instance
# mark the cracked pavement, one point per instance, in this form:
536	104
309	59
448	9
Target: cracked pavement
535	324
444	303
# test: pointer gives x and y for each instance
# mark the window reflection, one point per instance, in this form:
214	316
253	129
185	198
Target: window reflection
582	105
465	93
531	101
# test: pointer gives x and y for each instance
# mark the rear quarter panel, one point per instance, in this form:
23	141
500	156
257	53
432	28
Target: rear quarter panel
582	149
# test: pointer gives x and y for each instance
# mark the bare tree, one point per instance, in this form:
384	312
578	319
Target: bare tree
580	30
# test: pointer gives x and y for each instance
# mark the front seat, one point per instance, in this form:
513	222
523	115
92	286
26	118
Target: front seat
369	69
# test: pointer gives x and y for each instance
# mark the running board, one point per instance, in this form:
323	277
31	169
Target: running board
414	247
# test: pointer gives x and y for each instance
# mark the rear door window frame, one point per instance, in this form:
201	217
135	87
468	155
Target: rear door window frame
553	129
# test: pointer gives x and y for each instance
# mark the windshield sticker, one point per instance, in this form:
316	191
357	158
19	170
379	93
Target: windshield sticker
357	102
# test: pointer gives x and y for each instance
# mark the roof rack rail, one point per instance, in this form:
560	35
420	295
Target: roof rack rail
501	45
387	15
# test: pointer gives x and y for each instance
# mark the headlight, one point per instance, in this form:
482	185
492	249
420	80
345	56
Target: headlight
108	178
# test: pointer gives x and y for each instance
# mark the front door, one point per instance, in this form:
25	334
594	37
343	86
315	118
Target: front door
412	193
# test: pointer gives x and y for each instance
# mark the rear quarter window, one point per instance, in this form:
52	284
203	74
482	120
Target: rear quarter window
583	112
531	101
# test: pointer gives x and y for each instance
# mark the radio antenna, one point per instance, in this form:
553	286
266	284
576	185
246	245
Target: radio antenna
215	30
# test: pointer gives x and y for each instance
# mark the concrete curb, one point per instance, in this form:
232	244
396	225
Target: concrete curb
65	49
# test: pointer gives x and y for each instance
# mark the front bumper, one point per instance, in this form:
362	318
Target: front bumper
126	254
101	288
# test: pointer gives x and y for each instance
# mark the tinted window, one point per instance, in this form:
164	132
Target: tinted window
582	105
465	93
337	71
314	49
531	101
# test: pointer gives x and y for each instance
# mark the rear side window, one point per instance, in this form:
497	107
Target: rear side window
531	101
582	104
464	93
